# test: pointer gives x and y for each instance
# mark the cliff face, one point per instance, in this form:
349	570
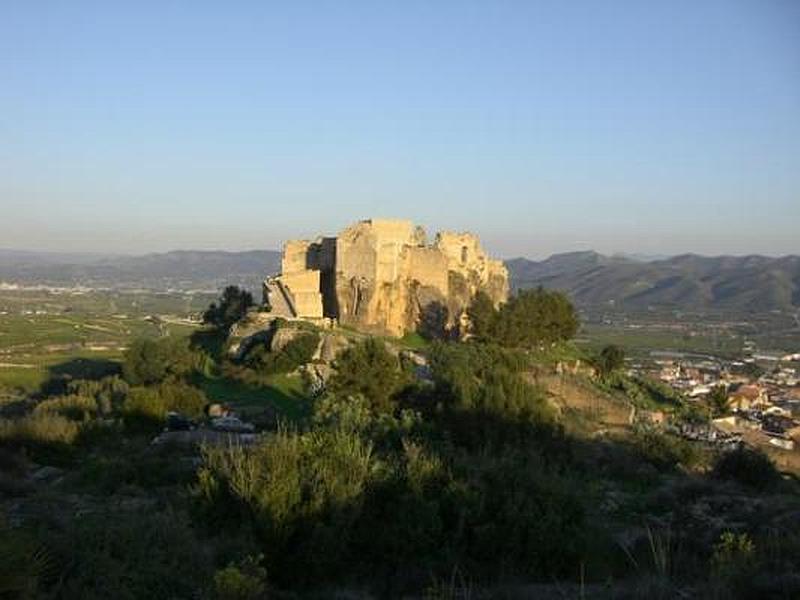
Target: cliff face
382	276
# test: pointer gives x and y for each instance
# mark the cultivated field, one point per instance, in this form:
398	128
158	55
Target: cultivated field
41	330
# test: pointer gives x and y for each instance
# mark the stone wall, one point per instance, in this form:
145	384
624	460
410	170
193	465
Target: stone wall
379	275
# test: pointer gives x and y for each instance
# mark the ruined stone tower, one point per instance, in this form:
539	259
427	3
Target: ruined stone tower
382	276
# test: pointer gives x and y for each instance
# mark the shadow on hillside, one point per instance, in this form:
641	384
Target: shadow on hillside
210	341
59	375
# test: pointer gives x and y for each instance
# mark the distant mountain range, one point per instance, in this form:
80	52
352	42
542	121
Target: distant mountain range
687	282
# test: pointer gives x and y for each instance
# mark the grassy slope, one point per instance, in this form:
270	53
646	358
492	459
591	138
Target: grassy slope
284	393
81	331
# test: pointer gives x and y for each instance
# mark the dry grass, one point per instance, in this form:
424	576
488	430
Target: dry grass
41	428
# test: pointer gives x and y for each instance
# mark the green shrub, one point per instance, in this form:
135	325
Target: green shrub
302	491
149	361
664	450
611	359
481	313
487	378
26	565
355	414
369	369
746	466
231	307
109	392
148	406
44	428
733	552
76	408
130	556
110	474
47	437
295	353
245	580
534	317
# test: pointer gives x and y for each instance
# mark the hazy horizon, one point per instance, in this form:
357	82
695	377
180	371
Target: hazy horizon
622	126
630	255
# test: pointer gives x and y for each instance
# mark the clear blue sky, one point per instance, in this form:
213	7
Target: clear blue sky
634	126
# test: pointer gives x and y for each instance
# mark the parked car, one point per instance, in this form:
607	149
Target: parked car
179	422
232	424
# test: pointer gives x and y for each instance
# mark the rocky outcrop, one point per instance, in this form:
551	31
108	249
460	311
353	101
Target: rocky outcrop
383	276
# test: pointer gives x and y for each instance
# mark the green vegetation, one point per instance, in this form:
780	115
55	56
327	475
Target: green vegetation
529	319
748	467
642	337
282	393
643	392
295	353
611	360
152	361
231	307
151	404
41	330
467	476
369	369
718	401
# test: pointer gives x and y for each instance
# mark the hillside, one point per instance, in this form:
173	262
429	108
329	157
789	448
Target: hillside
685	282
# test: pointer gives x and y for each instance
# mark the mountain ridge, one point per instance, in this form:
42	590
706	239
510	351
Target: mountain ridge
688	281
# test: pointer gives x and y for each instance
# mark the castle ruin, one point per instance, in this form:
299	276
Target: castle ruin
382	276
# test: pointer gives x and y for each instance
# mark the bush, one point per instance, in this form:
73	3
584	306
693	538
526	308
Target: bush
302	491
148	406
149	361
294	354
46	436
245	580
481	313
76	408
26	565
611	359
733	552
109	392
317	497
42	428
532	318
129	556
665	451
368	369
747	466
109	474
486	378
232	307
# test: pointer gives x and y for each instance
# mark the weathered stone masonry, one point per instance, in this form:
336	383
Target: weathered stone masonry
381	275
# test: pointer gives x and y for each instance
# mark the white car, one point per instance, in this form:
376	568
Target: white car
232	424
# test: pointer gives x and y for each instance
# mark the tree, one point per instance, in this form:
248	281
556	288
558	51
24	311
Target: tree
612	358
534	317
718	401
433	321
481	313
148	361
232	307
368	368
